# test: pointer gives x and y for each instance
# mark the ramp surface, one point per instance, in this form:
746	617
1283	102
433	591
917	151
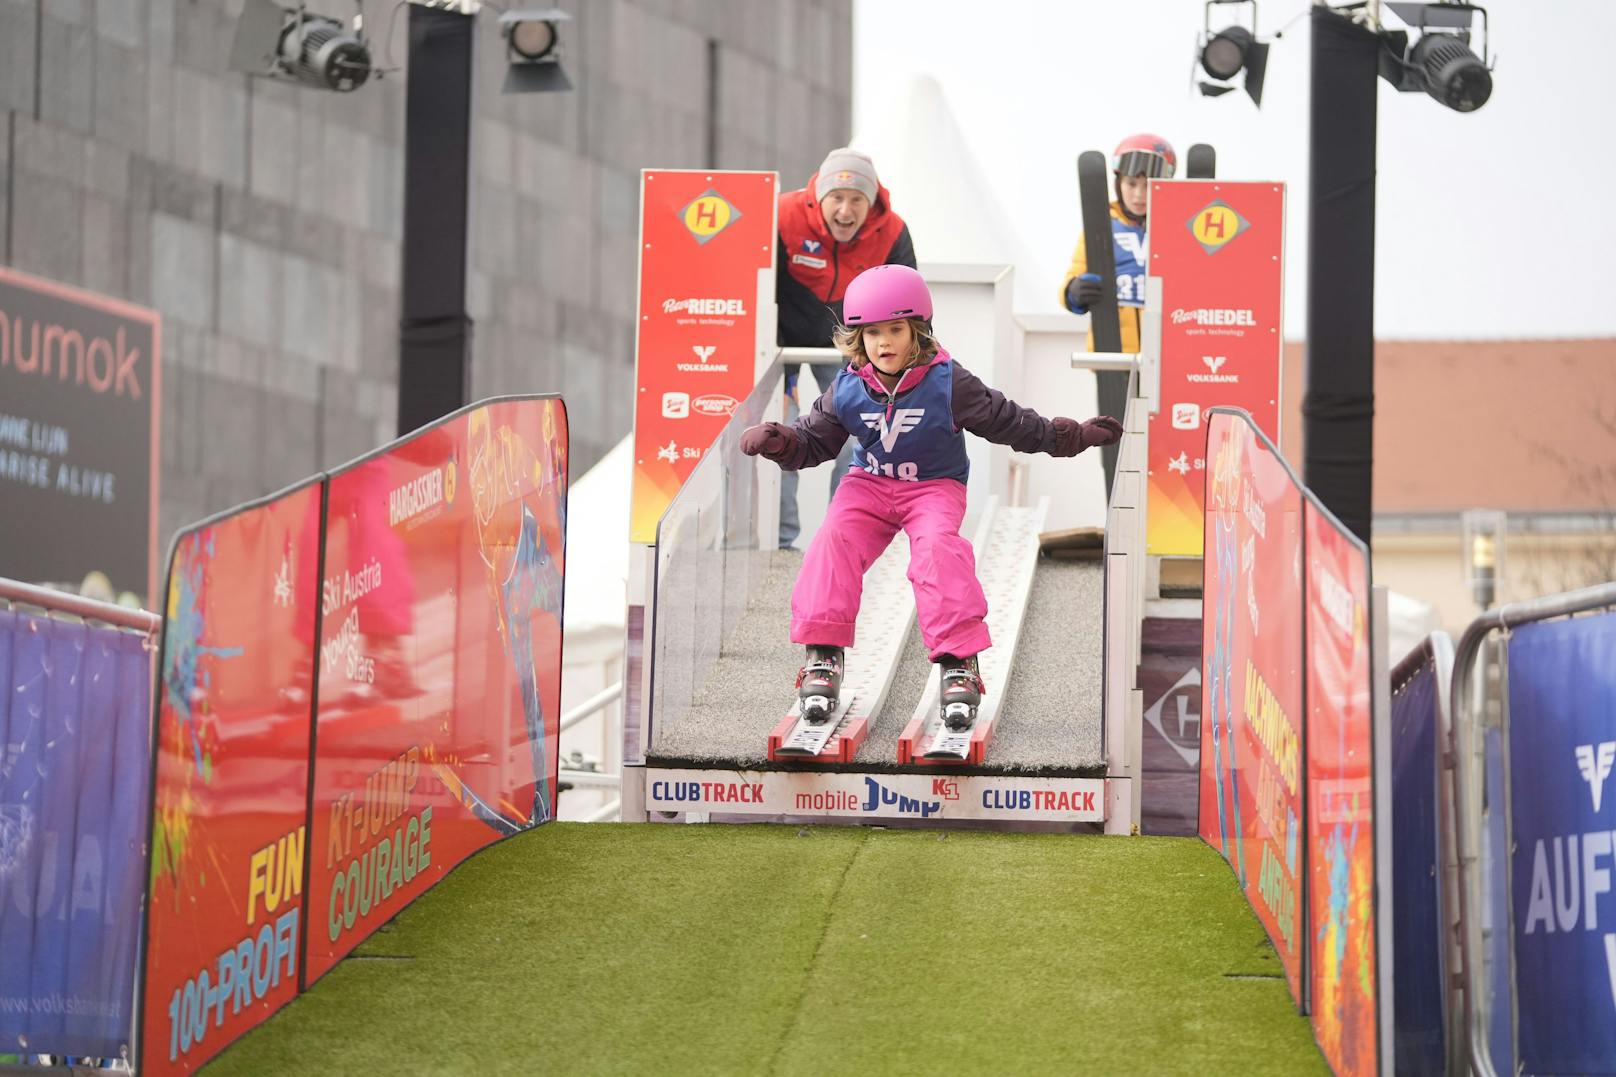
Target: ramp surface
1050	716
604	948
914	668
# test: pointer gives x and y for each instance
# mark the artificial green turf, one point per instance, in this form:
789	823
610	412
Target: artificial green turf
761	949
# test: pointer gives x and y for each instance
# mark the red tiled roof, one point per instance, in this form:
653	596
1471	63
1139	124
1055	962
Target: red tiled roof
1525	425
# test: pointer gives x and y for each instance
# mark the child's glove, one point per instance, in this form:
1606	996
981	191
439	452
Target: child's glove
1083	292
1072	437
771	441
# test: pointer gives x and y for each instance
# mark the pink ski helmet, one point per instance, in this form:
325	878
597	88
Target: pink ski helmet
882	293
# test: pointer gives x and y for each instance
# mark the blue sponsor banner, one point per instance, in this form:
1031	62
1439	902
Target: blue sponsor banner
1416	897
1562	699
74	750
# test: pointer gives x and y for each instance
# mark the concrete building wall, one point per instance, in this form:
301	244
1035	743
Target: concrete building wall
263	219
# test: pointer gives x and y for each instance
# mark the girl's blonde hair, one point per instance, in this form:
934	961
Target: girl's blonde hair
849	340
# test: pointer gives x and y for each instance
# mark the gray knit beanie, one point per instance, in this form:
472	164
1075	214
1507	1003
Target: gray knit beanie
845	168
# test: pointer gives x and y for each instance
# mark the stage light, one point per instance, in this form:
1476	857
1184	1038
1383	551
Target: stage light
291	43
533	39
1225	54
533	51
1454	75
1440	62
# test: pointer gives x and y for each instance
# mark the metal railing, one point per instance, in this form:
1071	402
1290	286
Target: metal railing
590	779
595	703
1120	362
606	812
78	606
791	358
1462	758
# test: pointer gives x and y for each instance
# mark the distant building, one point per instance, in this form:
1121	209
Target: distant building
1526	426
262	219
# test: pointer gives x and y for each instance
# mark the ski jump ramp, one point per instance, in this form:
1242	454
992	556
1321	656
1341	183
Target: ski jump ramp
889	679
720	738
1037	736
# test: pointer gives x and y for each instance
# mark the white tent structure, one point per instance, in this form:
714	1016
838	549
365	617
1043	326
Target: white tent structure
596	601
939	189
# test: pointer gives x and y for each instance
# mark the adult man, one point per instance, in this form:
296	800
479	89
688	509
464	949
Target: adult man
837	226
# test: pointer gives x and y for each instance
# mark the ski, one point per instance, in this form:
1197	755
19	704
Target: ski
1094	193
949	743
834	740
857	677
929	737
1201	162
1105	324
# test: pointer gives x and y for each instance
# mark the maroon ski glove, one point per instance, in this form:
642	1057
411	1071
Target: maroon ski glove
1072	437
771	441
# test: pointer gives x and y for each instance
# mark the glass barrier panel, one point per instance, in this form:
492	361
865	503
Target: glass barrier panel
707	562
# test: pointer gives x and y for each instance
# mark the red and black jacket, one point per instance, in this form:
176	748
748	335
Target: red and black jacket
813	270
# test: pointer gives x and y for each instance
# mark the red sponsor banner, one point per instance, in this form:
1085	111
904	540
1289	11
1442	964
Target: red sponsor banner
1340	815
1218	248
704	236
230	780
1251	686
439	661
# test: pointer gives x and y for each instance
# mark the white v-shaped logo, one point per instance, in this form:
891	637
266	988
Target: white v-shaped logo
903	420
1595	762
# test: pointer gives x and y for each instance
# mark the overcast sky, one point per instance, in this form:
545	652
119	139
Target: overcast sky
1493	224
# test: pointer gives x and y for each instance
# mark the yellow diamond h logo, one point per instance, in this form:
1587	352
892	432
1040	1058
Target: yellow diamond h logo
709	215
1217	224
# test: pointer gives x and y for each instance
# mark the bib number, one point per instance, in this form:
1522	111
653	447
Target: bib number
908	471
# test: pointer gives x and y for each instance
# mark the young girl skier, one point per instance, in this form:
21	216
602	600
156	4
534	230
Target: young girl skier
907	403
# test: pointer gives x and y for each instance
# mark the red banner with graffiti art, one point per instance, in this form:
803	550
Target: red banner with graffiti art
1251	685
704	237
230	780
1340	815
392	659
439	661
1218	248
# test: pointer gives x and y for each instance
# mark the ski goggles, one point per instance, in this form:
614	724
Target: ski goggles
1142	163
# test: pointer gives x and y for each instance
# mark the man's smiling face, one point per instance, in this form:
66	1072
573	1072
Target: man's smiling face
845	210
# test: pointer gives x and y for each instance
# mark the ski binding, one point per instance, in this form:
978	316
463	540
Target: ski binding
834	738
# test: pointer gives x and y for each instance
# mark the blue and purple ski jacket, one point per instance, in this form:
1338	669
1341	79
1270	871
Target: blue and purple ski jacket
916	431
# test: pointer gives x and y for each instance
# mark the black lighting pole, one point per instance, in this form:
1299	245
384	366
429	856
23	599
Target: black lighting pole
1338	412
434	361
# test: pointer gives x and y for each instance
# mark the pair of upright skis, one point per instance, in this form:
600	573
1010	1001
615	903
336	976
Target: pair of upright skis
1094	195
1105	325
1006	547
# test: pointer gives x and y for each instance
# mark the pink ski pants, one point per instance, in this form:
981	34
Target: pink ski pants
865	514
